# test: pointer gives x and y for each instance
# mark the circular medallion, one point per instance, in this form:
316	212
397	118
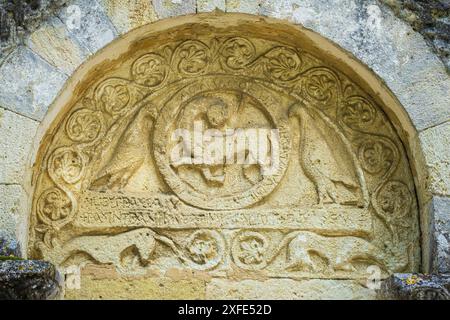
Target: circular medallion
249	250
205	249
222	143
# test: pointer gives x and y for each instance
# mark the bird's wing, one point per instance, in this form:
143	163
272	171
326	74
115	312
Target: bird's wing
328	151
129	151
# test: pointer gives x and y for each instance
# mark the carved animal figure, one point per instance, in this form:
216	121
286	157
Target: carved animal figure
325	172
106	248
339	252
128	154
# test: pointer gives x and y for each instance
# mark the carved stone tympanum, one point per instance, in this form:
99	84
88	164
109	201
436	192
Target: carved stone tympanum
336	197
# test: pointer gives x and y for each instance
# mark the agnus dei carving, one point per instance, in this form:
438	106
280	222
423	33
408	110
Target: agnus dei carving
341	198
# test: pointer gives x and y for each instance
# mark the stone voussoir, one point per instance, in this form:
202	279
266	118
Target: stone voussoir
87	21
173	8
435	144
12	211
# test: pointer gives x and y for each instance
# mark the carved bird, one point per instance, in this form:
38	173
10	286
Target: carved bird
128	154
323	156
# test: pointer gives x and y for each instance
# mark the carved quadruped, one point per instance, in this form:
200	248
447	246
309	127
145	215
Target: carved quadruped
340	197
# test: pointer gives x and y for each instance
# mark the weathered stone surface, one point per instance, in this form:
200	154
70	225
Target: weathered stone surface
425	100
28	280
435	144
314	289
411	71
13	220
87	21
243	6
173	8
17	133
431	18
435	233
56	45
428	17
427	236
210	5
91	287
19	18
440	250
9	247
401	58
129	14
29	84
282	9
415	287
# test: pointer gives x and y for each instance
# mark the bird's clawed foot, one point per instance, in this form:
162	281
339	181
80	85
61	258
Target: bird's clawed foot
326	195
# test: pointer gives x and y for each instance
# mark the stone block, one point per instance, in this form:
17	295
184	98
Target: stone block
243	6
93	287
408	286
173	8
435	144
87	21
9	247
12	211
210	5
311	289
28	280
29	84
440	245
56	45
129	14
17	134
281	9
